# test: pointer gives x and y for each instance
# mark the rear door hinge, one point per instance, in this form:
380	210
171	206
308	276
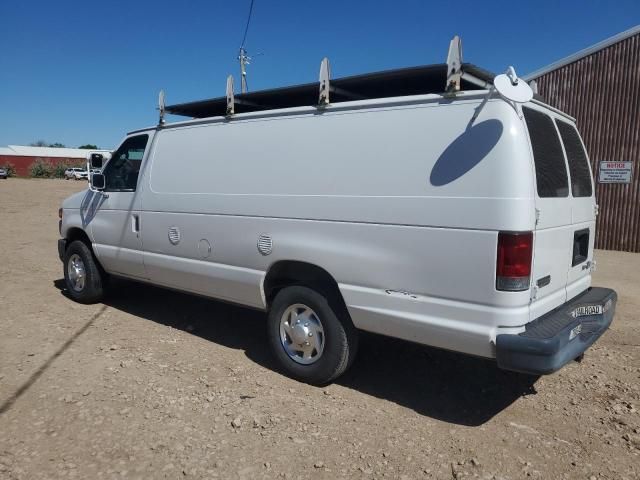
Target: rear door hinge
596	210
537	216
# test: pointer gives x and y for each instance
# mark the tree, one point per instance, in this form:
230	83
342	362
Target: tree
42	143
89	146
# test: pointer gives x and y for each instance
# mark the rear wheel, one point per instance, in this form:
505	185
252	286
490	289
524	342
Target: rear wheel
312	340
84	278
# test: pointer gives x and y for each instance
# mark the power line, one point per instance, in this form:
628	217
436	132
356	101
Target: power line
246	28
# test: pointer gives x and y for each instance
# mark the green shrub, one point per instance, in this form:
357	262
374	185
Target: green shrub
40	169
10	168
58	170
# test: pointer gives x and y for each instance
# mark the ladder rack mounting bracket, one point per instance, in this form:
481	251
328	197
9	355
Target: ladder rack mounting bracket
324	88
454	66
230	97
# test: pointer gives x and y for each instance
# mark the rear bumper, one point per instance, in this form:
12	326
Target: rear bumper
556	338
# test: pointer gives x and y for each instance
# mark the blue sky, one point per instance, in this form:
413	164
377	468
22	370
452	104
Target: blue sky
87	72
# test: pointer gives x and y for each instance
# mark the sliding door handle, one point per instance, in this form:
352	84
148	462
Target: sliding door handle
135	223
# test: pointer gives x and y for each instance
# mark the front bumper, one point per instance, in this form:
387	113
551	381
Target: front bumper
62	247
556	338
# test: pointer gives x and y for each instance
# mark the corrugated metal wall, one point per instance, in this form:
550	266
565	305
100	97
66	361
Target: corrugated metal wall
602	91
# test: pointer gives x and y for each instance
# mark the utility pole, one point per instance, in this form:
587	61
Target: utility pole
242	55
244	61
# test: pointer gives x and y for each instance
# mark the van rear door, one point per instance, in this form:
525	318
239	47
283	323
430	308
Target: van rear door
582	209
553	245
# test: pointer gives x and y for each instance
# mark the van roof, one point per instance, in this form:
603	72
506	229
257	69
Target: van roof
418	80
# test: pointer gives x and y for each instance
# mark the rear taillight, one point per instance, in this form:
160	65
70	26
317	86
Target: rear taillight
513	267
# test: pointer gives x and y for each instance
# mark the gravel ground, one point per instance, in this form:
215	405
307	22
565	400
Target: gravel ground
157	384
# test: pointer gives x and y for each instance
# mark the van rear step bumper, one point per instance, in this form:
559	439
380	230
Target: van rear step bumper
556	338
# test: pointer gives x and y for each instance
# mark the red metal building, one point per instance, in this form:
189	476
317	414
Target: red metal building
22	157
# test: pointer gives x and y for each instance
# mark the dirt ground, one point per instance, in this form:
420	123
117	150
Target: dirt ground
156	384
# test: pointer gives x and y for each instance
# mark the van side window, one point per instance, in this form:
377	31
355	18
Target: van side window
551	170
121	173
577	158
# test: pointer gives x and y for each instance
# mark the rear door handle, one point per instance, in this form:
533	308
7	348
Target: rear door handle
135	223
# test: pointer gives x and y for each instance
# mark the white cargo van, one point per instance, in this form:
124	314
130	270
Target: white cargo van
426	204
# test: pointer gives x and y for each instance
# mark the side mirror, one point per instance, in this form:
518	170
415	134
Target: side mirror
97	181
96	160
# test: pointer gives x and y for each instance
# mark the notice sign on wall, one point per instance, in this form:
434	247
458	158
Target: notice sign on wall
615	172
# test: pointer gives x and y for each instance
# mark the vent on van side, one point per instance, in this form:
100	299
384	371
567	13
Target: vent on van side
174	235
551	170
265	244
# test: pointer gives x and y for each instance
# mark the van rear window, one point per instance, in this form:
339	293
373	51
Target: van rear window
551	170
577	158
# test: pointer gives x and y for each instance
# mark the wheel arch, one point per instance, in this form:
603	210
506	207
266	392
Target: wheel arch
284	273
76	233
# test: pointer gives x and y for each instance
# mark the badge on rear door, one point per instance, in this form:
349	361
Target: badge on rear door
585	310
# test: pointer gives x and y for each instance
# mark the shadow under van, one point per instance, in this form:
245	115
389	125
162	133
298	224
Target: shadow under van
441	385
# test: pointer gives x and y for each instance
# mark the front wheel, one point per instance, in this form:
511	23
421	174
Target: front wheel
312	341
84	278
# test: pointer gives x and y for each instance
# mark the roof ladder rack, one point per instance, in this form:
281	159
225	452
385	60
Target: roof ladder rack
447	79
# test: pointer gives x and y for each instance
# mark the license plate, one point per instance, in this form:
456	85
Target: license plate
585	310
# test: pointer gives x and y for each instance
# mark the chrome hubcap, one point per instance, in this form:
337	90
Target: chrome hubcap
301	334
76	272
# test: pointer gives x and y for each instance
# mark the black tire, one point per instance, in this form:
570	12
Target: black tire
340	336
95	278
